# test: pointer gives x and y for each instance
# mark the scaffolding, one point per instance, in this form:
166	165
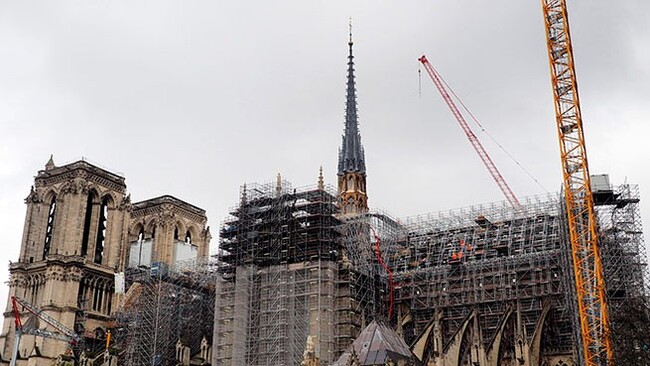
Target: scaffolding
622	246
624	259
290	267
278	269
488	259
165	308
364	289
491	259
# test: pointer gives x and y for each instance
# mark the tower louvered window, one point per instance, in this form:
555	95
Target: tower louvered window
87	220
101	231
50	228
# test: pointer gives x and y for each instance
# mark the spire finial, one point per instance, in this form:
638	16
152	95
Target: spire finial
278	187
350	25
50	163
321	181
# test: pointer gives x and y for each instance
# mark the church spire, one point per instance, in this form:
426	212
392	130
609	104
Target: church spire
351	155
353	198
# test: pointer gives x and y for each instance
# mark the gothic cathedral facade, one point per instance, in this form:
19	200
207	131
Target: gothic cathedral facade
80	231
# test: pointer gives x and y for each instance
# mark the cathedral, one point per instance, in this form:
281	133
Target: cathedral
307	275
81	233
313	276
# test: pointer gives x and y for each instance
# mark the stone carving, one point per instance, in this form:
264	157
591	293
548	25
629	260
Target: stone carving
125	203
165	218
68	188
206	234
34	196
73	274
82	174
309	355
80	185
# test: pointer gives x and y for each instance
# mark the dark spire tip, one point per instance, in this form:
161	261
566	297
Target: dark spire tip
350	24
351	157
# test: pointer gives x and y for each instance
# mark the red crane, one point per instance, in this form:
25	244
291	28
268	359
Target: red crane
476	144
63	334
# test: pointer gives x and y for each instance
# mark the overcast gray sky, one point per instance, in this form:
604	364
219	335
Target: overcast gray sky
193	98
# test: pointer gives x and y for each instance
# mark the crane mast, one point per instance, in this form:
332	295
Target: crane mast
587	266
476	144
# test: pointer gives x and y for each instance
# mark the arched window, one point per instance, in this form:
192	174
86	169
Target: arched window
97	293
50	228
188	237
176	233
350	205
101	231
87	220
141	234
350	183
153	232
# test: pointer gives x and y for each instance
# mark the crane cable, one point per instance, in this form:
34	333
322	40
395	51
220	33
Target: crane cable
476	121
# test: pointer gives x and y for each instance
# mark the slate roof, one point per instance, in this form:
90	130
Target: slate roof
375	345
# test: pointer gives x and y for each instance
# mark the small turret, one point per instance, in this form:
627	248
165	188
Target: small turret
244	195
278	186
321	181
50	163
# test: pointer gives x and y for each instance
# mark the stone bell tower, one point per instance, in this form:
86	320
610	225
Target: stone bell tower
168	230
74	241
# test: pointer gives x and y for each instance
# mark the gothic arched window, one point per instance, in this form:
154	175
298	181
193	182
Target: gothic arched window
188	237
350	205
101	231
87	220
50	228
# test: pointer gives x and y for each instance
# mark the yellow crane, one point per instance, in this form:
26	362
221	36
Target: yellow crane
587	266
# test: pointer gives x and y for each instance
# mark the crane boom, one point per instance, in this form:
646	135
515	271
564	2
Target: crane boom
48	319
66	334
587	266
476	144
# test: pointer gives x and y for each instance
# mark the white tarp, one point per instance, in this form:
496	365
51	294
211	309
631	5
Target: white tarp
184	251
119	283
140	253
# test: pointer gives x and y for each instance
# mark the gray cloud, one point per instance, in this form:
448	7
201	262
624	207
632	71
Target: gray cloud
193	99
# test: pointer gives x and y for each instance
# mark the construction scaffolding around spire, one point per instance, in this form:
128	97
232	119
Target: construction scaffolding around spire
292	271
291	268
